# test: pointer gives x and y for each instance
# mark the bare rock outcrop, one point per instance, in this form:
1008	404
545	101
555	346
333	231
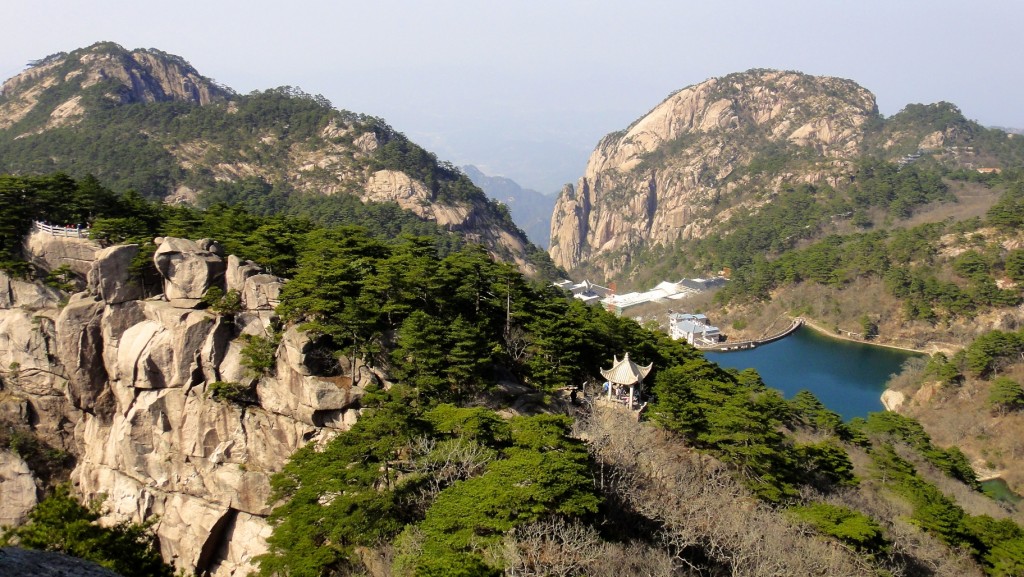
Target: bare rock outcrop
110	276
892	400
128	386
51	252
189	268
34	563
79	338
663	178
26	295
17	489
135	76
341	158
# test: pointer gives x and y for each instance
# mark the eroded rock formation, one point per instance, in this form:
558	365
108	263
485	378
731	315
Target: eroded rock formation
667	175
125	383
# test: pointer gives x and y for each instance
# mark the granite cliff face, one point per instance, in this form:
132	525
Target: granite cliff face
128	385
675	172
147	120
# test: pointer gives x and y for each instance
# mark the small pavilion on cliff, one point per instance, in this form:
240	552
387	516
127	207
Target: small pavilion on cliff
625	373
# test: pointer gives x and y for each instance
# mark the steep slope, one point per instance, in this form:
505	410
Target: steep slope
185	411
729	146
147	121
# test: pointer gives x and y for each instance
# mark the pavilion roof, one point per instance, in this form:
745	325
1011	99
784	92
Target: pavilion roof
625	372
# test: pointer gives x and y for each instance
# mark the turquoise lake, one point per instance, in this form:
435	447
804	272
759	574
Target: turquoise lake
847	377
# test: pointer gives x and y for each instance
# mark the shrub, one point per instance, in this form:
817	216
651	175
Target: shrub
236	393
849	526
60	523
1005	395
258	354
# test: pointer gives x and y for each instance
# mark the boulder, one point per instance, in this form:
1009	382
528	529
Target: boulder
122	383
189	268
165	349
51	252
80	345
110	278
17	293
237	271
262	292
892	400
6	296
17	489
26	354
34	563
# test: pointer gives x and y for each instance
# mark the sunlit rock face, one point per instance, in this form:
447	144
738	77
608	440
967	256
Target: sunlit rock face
125	383
667	175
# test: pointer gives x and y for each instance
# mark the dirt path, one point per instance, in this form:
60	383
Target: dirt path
833	335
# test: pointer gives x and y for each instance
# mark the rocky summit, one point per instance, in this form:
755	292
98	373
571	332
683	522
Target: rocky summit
669	174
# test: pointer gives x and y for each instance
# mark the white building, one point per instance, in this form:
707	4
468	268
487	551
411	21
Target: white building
586	291
694	328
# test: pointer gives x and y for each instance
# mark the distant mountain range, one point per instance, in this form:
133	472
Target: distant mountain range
531	210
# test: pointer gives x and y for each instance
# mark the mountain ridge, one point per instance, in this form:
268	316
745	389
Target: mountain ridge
148	121
728	146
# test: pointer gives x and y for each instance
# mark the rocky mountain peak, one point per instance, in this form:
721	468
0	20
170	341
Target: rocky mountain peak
63	86
658	180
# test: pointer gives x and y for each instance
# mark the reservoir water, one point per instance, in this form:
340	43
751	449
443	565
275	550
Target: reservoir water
847	377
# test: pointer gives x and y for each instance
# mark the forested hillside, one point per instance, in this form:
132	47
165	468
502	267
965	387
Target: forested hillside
123	118
468	457
973	399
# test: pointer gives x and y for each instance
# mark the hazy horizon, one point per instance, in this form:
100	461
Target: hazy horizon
526	90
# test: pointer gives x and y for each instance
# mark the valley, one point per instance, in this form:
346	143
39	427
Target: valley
295	342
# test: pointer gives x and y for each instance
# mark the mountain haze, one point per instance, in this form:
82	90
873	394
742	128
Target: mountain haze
531	210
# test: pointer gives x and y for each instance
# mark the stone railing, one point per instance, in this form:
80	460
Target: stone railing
68	231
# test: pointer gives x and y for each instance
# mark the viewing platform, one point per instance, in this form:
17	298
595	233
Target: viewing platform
57	230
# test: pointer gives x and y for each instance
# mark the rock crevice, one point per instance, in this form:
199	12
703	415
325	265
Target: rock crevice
125	383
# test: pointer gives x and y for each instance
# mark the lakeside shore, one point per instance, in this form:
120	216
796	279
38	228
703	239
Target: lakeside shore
832	335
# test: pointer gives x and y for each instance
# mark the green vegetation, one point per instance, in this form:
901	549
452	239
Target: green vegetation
739	419
849	526
236	393
222	303
997	545
929	287
59	523
1006	395
153	149
908	431
444	485
258	354
451	480
48	464
988	353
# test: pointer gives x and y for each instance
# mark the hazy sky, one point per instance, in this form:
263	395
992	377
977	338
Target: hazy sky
526	88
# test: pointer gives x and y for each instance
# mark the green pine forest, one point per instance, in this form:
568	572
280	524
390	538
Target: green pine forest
437	479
